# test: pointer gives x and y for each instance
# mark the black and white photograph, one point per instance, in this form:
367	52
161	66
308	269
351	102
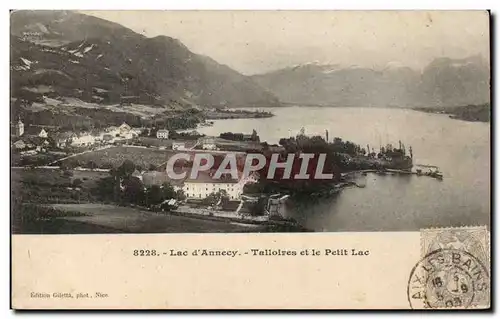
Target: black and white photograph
249	121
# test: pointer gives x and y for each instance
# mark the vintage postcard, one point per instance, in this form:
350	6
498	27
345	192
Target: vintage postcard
250	159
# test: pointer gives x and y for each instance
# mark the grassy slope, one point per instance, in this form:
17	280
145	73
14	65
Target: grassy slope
117	155
49	187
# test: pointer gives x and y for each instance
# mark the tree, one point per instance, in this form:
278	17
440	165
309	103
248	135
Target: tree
258	208
105	188
215	198
67	173
180	195
168	191
154	195
126	169
92	165
152	167
133	190
67	165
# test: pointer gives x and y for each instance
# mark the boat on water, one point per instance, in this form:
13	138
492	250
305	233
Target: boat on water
435	174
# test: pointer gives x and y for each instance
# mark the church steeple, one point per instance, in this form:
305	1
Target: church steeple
19	127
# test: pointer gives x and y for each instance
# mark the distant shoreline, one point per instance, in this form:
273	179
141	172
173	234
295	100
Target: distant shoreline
236	114
470	113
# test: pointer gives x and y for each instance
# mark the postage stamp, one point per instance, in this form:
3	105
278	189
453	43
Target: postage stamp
454	271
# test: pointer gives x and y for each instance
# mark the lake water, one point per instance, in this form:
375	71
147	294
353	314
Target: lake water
390	203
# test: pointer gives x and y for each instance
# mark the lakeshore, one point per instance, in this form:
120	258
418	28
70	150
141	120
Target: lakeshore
222	114
337	201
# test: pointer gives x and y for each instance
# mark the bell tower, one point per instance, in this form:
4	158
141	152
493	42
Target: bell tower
19	128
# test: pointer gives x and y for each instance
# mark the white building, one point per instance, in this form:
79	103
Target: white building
137	131
125	130
43	133
208	143
178	145
162	134
198	189
19	145
19	128
205	185
82	139
112	130
63	139
121	132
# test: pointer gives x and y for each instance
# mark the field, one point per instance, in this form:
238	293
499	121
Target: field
115	156
42	185
131	220
157	142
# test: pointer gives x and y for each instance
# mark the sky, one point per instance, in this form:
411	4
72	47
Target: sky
254	42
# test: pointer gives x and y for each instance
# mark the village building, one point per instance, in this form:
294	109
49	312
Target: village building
43	133
204	185
19	145
82	139
112	130
208	143
178	145
63	139
108	138
35	143
183	145
33	130
137	130
124	131
163	134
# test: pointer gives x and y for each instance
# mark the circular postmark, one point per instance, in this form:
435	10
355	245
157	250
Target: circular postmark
449	279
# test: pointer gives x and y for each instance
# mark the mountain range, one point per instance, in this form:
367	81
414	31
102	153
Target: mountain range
68	54
445	82
59	54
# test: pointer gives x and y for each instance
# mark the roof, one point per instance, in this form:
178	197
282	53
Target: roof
19	142
204	177
63	136
80	134
163	131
